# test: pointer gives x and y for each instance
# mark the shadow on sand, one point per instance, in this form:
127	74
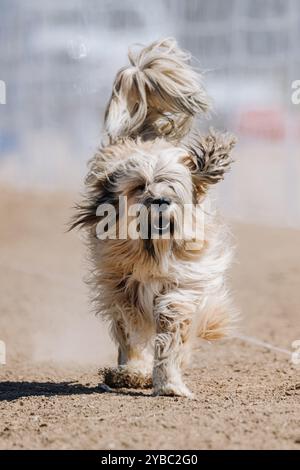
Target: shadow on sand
10	391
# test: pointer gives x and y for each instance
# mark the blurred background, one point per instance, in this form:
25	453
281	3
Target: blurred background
58	60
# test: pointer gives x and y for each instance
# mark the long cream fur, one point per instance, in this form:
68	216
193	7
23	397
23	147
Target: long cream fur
158	295
158	94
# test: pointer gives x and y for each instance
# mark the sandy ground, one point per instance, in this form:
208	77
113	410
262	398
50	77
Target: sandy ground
246	396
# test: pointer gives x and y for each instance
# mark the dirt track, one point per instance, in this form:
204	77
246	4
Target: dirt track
247	396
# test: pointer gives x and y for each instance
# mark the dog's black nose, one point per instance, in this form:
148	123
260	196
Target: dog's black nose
160	201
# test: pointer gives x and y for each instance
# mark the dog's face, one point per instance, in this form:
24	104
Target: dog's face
156	186
156	180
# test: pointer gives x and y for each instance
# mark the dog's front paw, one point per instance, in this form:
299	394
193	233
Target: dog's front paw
173	390
126	377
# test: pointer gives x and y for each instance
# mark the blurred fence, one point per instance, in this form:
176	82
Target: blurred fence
58	60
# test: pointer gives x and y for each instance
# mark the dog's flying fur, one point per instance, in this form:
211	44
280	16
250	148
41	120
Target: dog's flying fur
158	294
158	94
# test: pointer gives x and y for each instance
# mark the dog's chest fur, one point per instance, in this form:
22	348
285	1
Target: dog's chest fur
143	286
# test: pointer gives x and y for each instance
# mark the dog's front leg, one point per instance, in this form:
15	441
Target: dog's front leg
172	340
135	361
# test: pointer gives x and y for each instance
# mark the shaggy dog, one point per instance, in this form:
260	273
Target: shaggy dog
162	291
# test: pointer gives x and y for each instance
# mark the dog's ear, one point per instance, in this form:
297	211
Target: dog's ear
209	158
100	184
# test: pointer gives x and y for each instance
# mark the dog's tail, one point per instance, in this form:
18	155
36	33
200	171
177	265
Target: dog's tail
157	95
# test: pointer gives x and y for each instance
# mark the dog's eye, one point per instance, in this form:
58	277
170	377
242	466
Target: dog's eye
140	188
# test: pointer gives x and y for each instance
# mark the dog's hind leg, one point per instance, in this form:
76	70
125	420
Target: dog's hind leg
135	361
172	342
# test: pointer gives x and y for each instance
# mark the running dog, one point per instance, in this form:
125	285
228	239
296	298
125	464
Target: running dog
161	286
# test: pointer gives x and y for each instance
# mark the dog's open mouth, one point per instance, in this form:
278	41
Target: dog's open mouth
161	225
